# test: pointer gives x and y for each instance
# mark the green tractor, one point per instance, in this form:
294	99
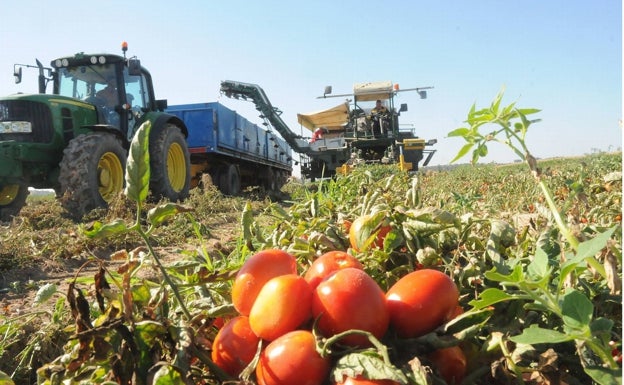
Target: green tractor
75	140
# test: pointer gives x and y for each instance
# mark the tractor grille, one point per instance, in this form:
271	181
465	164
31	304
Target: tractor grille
38	114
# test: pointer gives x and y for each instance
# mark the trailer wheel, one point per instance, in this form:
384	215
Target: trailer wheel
91	172
12	199
270	182
170	163
229	181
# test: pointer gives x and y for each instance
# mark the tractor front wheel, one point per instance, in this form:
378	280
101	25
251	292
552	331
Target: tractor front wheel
12	199
91	172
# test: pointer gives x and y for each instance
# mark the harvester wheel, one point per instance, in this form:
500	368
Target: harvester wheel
170	163
91	172
230	183
12	199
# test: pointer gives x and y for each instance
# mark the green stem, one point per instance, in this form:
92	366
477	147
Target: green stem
555	211
381	348
166	277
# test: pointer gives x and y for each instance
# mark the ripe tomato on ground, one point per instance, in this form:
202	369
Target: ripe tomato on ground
234	346
367	231
450	363
283	303
292	359
421	301
350	299
327	263
359	380
255	272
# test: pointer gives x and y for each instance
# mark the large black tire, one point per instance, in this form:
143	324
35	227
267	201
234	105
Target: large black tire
91	172
170	163
270	182
229	180
12	199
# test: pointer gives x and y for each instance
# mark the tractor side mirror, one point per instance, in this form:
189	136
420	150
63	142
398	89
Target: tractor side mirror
17	73
328	90
403	107
161	104
134	67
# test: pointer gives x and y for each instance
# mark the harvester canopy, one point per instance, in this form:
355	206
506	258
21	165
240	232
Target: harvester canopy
371	91
332	119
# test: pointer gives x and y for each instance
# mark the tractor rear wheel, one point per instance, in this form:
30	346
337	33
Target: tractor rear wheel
91	172
170	163
12	199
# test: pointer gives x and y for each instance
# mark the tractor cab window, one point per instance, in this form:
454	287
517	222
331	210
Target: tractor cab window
95	84
137	96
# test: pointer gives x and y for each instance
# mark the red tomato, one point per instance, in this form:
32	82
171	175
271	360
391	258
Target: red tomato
234	346
327	263
367	231
350	299
283	303
292	359
451	364
359	380
421	301
255	272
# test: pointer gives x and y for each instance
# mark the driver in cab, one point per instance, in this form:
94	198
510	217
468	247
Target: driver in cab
378	113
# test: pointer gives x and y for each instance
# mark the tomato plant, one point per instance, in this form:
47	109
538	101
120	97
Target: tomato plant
327	263
234	346
421	301
450	363
283	303
292	359
350	299
255	272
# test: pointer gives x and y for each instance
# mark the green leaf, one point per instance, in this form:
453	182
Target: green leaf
168	375
514	277
138	165
538	268
464	150
577	310
601	325
468	319
464	132
161	213
537	335
5	379
367	364
604	376
489	297
97	229
594	245
44	293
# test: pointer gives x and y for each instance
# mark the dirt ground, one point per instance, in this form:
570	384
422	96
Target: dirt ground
19	286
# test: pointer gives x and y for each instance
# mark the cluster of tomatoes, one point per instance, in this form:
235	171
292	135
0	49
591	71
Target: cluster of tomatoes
278	306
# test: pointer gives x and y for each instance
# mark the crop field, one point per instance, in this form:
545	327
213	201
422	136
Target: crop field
165	294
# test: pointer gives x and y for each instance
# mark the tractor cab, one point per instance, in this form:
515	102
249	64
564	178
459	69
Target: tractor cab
119	89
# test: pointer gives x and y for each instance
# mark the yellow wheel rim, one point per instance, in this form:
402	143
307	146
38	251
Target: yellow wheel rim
176	167
8	194
110	176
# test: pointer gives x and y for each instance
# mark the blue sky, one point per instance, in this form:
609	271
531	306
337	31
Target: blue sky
563	57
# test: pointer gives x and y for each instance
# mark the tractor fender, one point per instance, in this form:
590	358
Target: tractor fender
159	119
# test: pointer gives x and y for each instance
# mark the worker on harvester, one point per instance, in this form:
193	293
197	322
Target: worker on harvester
379	116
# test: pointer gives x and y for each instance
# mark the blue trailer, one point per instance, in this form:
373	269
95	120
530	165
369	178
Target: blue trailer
233	151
